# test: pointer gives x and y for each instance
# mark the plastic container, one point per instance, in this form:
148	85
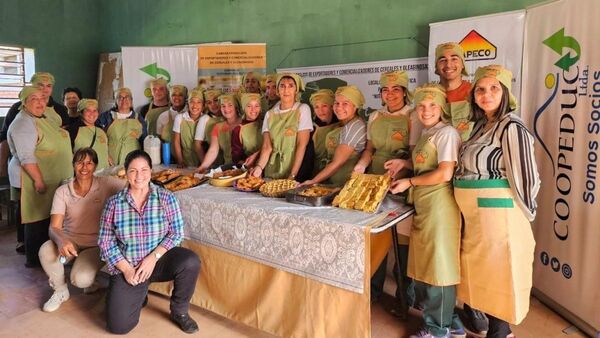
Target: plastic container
152	147
166	153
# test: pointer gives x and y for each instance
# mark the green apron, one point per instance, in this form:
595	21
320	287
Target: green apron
251	137
167	133
123	137
319	139
389	135
53	116
283	129
54	156
224	138
188	131
209	127
84	138
434	248
461	118
152	116
343	174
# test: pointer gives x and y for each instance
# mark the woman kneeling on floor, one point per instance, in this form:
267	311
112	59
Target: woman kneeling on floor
140	229
74	220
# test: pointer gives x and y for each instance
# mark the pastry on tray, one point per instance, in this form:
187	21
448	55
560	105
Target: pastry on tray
165	175
249	183
277	188
363	192
183	182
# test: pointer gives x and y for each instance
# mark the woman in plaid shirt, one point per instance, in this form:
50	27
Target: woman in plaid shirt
140	229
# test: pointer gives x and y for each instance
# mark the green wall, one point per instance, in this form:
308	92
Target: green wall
286	25
64	34
67	35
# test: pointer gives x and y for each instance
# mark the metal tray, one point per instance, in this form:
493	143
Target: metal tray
293	196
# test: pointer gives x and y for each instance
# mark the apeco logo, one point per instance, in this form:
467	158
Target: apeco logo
477	47
555	265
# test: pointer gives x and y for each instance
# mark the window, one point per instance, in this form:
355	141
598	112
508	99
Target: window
17	65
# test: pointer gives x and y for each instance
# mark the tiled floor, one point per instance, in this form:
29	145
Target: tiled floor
23	291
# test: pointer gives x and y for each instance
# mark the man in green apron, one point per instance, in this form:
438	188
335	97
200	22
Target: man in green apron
434	250
450	66
159	103
41	161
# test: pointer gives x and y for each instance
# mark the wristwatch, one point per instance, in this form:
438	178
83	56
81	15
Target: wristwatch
157	255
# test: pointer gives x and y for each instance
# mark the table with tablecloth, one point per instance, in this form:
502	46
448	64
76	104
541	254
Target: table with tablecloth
288	269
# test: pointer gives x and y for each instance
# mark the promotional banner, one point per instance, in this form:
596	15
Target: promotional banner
489	39
561	91
222	66
177	65
364	75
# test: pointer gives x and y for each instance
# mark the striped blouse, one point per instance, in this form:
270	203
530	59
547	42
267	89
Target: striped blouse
504	151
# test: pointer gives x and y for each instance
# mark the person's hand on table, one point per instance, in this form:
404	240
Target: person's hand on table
359	168
251	159
202	170
110	161
40	186
394	166
256	171
145	268
307	183
400	185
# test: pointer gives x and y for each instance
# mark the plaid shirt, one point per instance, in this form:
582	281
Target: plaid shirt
126	233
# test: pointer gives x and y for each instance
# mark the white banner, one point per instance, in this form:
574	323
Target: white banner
561	90
177	65
489	39
364	75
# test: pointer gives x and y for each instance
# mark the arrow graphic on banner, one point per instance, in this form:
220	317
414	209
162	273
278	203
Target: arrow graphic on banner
557	42
154	71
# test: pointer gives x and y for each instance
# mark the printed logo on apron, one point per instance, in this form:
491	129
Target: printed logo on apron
462	126
398	136
421	157
289	132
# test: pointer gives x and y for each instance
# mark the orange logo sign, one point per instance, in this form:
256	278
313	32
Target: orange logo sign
398	136
421	157
477	47
289	132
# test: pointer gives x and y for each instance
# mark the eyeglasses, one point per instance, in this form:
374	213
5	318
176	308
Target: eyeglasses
121	98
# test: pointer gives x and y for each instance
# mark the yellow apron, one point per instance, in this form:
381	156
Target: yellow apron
389	135
152	117
434	247
54	156
251	137
283	129
224	138
460	117
123	137
188	131
85	135
343	174
497	250
319	142
53	116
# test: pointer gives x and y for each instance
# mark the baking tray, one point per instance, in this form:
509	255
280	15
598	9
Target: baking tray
293	196
202	180
162	183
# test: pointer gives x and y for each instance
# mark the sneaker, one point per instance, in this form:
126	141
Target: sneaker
57	298
185	322
424	333
20	248
475	322
458	333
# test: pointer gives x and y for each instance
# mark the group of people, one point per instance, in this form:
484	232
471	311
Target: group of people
458	148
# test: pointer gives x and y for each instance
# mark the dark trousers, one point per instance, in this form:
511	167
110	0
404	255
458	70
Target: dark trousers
497	327
20	226
36	234
124	301
378	279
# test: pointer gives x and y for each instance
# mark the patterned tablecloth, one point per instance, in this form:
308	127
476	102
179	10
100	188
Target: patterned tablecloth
323	243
